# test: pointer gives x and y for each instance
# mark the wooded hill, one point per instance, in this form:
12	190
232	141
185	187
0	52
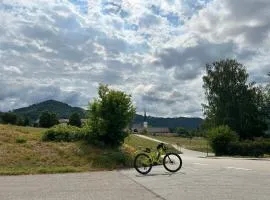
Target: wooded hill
62	110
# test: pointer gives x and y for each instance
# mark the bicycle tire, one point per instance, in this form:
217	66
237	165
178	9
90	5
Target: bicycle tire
165	164
136	164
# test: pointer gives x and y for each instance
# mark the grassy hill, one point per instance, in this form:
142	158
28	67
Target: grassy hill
23	152
63	110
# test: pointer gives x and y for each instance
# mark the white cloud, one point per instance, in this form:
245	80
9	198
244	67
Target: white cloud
154	50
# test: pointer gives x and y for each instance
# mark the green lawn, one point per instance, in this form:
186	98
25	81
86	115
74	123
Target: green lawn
196	144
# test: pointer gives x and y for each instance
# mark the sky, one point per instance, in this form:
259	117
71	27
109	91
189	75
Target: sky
154	50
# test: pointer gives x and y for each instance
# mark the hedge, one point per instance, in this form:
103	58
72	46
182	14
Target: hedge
65	133
249	148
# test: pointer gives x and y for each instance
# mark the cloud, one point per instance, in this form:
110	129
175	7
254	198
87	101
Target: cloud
14	95
247	26
154	50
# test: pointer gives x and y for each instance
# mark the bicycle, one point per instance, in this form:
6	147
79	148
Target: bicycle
144	161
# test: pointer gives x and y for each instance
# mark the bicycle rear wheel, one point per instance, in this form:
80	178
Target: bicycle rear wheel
143	163
172	162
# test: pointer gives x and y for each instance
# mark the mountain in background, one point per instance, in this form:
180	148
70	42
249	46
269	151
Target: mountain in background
64	110
185	122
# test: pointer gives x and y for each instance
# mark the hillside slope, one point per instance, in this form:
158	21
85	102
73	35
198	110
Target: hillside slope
63	110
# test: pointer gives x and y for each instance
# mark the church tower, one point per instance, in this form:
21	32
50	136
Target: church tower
145	123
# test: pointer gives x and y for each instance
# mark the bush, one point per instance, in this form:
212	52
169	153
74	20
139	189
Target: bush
109	116
181	131
26	121
9	118
48	119
21	140
219	139
144	132
19	121
75	120
249	148
65	133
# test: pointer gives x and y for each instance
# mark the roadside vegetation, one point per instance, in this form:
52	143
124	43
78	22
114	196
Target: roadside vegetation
98	145
237	112
23	152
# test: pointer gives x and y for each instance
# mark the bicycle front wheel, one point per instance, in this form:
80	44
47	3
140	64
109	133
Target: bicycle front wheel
172	162
143	163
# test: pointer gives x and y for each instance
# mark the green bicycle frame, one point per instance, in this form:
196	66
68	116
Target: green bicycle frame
155	155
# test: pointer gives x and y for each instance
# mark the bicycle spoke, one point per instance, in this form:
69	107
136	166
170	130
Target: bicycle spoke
172	162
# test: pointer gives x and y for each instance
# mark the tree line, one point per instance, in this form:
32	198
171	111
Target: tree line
46	119
237	111
234	101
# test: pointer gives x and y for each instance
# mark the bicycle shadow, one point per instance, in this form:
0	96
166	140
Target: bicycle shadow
160	174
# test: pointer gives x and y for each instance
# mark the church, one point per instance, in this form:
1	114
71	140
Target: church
140	128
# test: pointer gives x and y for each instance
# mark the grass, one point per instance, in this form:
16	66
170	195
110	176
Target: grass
139	143
196	144
23	152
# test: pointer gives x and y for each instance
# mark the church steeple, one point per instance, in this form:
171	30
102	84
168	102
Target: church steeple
145	124
145	118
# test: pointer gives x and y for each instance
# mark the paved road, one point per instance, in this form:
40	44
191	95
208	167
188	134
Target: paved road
199	178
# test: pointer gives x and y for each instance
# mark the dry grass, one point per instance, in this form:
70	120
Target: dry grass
34	156
138	143
196	144
23	152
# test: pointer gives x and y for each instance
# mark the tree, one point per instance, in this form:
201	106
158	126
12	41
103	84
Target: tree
75	120
267	103
48	119
9	118
26	121
232	101
219	138
1	114
20	121
109	115
181	131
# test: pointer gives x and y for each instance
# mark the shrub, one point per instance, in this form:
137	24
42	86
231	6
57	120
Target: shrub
48	119
65	133
19	121
75	120
181	131
9	118
144	132
21	140
109	115
249	148
26	121
219	138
